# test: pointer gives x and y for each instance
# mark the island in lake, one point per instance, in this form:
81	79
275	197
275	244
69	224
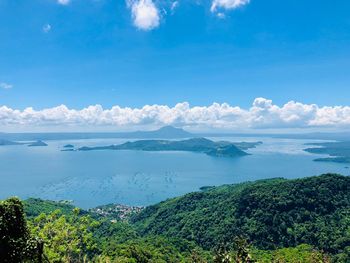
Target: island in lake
7	142
339	152
203	145
68	148
37	143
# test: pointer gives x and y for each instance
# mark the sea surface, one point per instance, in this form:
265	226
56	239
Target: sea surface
142	178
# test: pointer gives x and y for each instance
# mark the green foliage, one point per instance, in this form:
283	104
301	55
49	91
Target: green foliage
108	235
273	220
238	251
77	238
207	217
299	211
16	244
35	206
119	240
270	214
66	238
155	249
302	253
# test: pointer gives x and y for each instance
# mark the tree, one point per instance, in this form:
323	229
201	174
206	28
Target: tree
66	238
16	244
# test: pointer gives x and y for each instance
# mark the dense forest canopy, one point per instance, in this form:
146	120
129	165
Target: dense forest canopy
271	214
277	220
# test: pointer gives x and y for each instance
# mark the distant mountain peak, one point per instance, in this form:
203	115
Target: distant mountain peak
171	131
170	128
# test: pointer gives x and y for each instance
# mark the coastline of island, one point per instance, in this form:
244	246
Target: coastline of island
202	145
338	152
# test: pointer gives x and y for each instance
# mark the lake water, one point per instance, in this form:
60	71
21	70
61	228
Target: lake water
142	178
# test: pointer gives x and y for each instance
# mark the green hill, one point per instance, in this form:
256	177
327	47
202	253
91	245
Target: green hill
277	220
35	206
270	214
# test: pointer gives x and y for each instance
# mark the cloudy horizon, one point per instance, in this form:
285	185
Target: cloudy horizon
262	115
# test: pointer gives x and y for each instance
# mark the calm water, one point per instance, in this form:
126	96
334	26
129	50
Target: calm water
141	178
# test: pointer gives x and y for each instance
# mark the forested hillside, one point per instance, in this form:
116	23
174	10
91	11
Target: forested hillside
277	220
270	214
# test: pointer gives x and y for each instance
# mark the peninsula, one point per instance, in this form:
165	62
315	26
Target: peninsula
339	152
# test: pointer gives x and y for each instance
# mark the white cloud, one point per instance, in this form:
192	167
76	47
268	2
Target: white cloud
262	114
227	4
221	15
145	14
63	2
4	85
174	5
47	28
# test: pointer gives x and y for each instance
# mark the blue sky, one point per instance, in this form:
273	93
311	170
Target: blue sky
86	52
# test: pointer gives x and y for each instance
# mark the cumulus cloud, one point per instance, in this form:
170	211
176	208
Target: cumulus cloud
262	114
63	2
227	4
145	14
4	85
